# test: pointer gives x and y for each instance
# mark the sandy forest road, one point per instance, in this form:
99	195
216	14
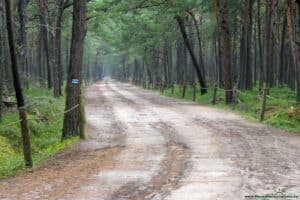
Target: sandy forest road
146	146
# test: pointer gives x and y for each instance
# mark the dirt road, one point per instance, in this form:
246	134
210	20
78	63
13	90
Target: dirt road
146	146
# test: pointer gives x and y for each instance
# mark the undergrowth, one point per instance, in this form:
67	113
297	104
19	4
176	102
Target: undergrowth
45	131
280	114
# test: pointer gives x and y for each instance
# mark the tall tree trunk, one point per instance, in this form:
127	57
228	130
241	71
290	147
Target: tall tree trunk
17	86
44	35
218	42
247	37
135	72
220	67
165	64
225	48
255	56
268	43
67	58
260	47
282	49
298	3
178	61
58	69
191	52
71	119
148	71
291	29
201	62
40	60
234	51
124	67
170	63
2	62
23	40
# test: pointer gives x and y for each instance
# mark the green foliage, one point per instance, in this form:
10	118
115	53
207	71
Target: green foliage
133	26
45	132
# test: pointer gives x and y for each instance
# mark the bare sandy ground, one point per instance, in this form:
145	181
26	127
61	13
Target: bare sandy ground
146	146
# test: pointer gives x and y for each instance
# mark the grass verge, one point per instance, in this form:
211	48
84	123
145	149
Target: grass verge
45	132
279	114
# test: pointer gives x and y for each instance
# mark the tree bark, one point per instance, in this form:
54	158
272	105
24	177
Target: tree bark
225	48
2	63
298	3
58	69
44	35
191	52
282	49
201	62
71	119
246	76
291	29
23	40
268	43
165	64
17	86
260	47
40	60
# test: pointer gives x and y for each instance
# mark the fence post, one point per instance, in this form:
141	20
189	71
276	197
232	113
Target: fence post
235	95
172	88
194	91
214	99
183	90
160	87
263	104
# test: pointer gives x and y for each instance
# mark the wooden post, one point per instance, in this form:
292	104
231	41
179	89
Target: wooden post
194	91
149	85
263	105
160	87
183	90
172	88
214	99
235	95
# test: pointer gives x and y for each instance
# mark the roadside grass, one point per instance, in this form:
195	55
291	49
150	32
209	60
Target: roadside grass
280	114
45	131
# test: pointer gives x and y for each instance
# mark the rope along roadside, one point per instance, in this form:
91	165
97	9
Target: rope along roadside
259	95
244	93
281	100
76	106
38	119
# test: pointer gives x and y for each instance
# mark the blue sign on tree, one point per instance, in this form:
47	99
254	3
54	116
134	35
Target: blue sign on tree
75	81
